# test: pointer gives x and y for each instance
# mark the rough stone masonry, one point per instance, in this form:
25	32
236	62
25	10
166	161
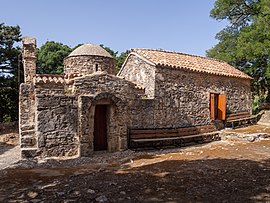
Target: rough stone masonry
89	108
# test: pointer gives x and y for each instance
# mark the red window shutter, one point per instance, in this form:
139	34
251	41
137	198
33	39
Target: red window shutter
221	107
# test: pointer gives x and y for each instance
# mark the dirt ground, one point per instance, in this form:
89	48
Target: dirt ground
222	171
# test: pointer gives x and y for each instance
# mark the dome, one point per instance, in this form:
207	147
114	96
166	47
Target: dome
90	50
88	59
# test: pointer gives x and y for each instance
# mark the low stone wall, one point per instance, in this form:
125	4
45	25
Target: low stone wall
265	106
236	136
27	99
264	118
57	124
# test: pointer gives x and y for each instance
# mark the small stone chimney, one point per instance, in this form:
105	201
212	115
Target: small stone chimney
29	58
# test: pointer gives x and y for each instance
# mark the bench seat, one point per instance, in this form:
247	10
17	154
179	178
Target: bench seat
139	138
240	119
170	138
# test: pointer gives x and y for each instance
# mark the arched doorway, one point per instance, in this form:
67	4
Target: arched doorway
102	112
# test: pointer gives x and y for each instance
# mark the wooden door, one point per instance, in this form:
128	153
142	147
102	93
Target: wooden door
100	128
221	107
213	106
217	106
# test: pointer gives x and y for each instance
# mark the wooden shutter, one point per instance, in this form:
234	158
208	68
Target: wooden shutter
212	106
221	107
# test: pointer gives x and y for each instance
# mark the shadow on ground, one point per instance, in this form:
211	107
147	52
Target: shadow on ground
5	147
204	180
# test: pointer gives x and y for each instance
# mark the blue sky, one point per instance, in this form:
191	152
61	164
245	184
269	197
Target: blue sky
177	25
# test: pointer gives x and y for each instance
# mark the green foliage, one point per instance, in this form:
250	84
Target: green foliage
121	59
9	53
237	12
255	106
8	99
50	57
111	52
9	60
246	42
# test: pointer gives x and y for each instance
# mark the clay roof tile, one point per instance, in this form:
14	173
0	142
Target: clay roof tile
49	78
190	62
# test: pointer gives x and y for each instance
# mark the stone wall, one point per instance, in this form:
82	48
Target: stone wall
27	130
264	106
118	95
50	89
142	73
130	107
28	138
88	64
182	98
117	121
29	58
62	125
142	113
238	92
48	121
102	82
57	124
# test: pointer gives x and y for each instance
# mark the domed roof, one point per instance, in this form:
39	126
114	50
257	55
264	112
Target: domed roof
90	50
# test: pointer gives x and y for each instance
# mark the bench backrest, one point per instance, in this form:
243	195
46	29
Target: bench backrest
238	115
161	133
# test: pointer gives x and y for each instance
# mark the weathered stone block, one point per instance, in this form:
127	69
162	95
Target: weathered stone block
28	153
86	149
28	141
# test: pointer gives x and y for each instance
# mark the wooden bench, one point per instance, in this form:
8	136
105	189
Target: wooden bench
240	119
139	138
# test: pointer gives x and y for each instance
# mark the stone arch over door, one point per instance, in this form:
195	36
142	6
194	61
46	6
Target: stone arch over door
117	121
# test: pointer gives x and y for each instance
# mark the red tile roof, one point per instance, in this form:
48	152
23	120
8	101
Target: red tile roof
190	62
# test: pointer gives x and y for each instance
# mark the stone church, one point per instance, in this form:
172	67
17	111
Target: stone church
89	108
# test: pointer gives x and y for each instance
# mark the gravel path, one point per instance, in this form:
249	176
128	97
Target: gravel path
220	171
8	155
9	149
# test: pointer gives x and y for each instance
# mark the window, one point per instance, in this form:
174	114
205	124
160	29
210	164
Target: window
217	106
96	67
